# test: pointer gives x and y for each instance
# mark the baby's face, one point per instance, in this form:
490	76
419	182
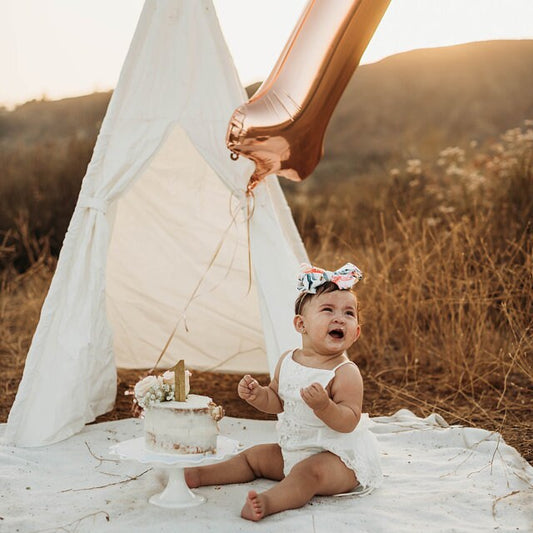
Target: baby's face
329	322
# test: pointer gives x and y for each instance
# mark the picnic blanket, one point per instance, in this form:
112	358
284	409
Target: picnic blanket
437	478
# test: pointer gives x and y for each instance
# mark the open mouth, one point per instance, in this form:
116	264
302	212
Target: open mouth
336	333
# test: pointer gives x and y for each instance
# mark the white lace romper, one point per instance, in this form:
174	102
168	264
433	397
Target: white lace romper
302	434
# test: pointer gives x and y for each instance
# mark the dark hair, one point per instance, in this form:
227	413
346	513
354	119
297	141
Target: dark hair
305	297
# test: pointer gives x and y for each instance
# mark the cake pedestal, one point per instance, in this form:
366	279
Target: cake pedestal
176	494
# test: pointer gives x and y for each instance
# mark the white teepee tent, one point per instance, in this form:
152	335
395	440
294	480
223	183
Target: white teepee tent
159	238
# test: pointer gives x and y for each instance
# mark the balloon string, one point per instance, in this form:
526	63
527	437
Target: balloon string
250	208
229	358
193	295
232	261
249	212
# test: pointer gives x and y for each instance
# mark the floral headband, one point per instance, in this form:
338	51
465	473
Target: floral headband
311	277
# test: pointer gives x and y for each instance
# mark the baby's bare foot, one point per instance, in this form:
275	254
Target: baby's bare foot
192	477
254	508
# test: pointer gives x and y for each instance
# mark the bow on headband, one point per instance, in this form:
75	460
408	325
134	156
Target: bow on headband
311	277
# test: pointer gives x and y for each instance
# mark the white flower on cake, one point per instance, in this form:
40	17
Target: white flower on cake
158	389
144	386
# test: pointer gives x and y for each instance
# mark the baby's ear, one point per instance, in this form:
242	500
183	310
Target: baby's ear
298	322
358	332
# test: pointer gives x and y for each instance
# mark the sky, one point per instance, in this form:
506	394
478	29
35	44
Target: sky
61	48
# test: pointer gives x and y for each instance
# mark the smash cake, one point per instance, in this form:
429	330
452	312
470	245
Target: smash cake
175	421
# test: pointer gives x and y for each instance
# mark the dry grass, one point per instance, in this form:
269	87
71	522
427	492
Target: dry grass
447	305
447	302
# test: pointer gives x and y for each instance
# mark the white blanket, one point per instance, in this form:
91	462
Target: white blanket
437	478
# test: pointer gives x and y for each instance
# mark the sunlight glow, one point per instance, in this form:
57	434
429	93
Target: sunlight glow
64	48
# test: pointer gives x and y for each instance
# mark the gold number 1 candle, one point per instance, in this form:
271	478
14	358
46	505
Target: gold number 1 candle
179	381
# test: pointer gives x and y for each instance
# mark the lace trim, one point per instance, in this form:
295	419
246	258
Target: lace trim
368	473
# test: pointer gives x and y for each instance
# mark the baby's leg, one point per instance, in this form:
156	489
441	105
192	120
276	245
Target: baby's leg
264	460
323	473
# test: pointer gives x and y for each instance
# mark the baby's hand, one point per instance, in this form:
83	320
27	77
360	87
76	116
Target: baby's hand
315	396
248	388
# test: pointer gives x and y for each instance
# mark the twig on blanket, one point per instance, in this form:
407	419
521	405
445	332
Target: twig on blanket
490	463
130	478
109	474
101	459
479	469
494	454
74	523
503	462
471	449
510	467
496	500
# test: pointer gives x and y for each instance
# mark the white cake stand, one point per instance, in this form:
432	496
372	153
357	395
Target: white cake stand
176	494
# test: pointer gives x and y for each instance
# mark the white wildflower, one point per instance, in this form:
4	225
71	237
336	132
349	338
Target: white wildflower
446	209
143	386
432	221
414	167
454	170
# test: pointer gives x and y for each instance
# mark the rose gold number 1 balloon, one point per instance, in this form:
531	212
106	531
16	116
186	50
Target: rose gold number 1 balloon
281	128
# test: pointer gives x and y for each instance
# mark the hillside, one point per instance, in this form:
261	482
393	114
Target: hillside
408	105
416	103
42	120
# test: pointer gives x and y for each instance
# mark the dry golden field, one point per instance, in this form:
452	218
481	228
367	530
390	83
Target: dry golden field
446	246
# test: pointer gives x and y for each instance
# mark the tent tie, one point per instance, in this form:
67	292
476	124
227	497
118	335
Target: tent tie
90	202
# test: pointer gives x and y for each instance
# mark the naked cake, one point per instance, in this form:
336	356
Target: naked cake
188	425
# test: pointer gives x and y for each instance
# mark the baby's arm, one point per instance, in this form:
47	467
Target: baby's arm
342	411
264	399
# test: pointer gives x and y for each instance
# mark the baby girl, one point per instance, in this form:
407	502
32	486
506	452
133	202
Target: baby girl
323	445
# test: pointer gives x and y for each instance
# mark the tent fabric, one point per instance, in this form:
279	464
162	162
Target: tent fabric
436	478
163	197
